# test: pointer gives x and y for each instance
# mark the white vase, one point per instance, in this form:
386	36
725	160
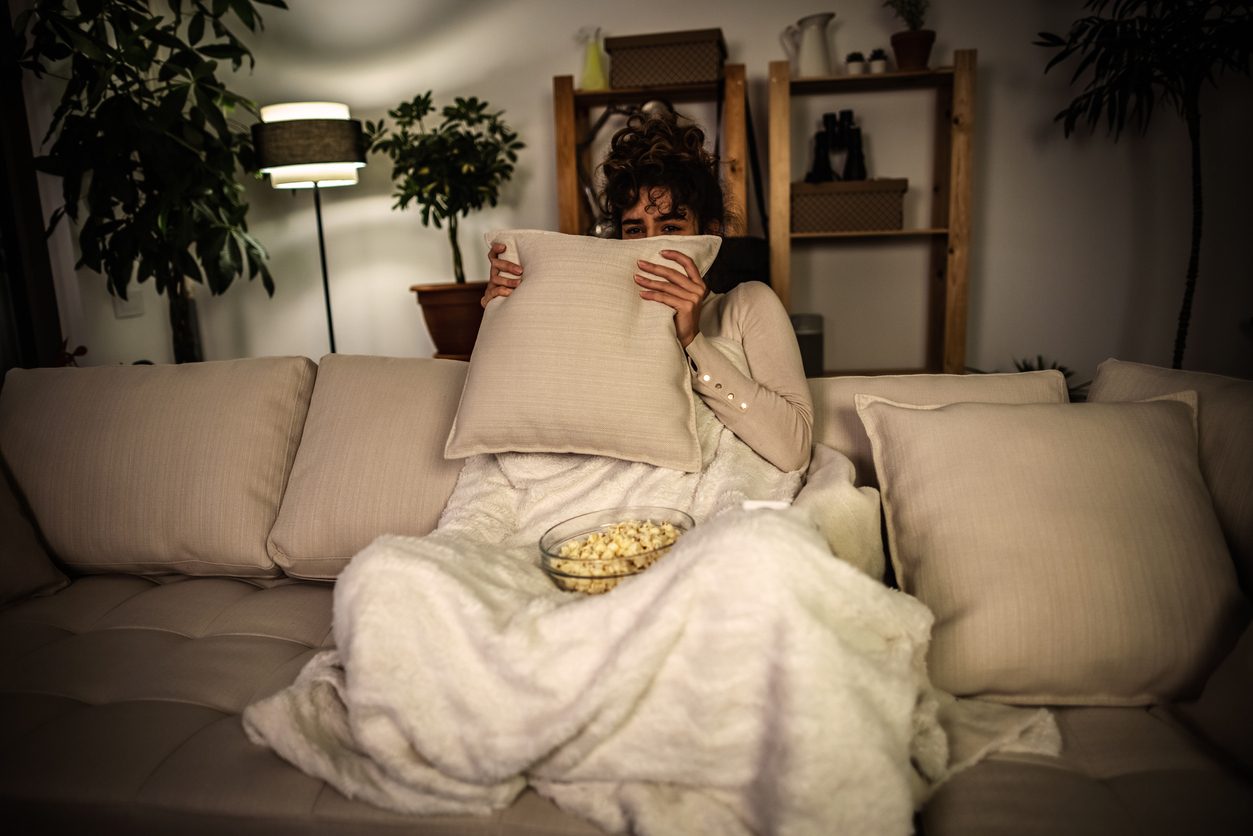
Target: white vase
856	67
878	66
806	45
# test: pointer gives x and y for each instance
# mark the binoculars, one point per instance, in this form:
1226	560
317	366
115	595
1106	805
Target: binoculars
837	134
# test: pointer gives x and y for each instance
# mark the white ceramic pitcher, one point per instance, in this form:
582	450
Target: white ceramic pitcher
806	45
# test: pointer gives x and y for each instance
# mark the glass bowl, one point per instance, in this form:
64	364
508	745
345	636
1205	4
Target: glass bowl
599	575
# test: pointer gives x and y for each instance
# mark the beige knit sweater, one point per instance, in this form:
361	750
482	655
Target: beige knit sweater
771	410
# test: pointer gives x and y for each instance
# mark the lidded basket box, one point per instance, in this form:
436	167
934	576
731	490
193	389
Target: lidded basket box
664	58
849	205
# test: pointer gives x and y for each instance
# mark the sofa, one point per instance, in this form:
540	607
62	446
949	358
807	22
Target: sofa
172	535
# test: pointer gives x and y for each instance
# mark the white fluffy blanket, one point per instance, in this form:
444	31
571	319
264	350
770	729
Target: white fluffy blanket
750	682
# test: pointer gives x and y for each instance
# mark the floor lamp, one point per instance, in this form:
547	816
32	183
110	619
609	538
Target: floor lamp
310	145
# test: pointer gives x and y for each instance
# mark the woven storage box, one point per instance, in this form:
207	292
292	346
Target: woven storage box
848	205
665	58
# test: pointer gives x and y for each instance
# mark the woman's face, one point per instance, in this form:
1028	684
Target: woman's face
653	215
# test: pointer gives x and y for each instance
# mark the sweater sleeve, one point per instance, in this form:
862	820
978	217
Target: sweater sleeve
771	411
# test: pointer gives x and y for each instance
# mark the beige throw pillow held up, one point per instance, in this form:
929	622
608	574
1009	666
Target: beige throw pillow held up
574	361
1070	552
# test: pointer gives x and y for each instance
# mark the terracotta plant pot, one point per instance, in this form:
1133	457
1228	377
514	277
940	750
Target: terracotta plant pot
913	49
453	315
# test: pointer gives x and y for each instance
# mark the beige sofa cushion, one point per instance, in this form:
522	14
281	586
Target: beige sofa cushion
371	461
25	568
157	468
1225	417
837	425
574	361
1070	552
1122	772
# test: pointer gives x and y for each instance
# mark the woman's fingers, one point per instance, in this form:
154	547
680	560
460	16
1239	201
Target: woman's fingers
688	278
684	290
504	276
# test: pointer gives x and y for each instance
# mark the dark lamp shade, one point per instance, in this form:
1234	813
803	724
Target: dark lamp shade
306	141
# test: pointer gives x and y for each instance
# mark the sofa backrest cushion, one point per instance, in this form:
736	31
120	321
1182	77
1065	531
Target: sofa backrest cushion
837	425
371	461
1070	552
25	568
1225	418
157	469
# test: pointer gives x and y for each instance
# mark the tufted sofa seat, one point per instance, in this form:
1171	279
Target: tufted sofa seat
1122	772
121	698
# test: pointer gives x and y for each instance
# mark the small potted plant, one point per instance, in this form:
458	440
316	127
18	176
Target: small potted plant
913	46
855	62
449	170
878	61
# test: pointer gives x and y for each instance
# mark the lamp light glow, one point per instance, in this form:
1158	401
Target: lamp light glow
304	176
304	110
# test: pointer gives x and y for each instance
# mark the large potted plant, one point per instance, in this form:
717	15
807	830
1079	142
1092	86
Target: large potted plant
913	46
1150	51
145	122
449	170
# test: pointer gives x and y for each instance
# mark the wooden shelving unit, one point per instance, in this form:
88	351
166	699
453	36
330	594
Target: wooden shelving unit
571	108
949	228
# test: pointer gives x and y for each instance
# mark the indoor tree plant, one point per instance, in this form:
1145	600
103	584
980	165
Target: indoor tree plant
1148	51
144	120
449	170
913	46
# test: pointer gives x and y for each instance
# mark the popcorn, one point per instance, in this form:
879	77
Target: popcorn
598	562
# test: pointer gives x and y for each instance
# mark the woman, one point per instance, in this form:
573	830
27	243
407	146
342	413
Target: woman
660	180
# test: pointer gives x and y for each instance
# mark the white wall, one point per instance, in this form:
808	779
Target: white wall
1080	244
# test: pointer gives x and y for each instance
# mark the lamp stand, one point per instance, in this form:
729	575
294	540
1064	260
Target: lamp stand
326	285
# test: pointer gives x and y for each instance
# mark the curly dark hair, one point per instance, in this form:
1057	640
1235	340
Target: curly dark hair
663	153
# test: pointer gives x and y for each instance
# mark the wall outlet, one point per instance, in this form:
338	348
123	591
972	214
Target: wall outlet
130	307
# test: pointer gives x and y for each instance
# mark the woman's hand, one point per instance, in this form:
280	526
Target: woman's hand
684	291
504	278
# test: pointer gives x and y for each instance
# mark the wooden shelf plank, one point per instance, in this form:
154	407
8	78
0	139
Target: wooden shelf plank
565	119
780	163
871	233
939	77
702	92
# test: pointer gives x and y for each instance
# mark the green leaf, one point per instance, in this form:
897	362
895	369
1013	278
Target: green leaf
222	51
243	9
195	29
166	37
23	20
212	112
